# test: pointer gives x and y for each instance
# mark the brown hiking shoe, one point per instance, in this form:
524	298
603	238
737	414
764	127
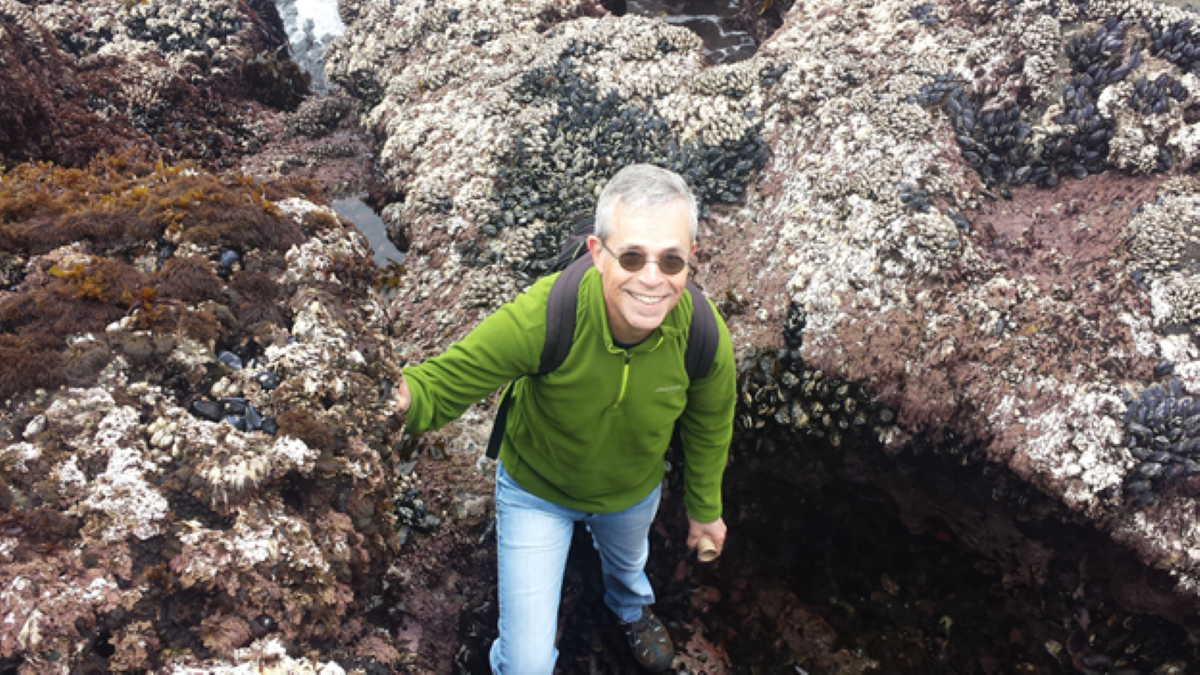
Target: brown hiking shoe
650	643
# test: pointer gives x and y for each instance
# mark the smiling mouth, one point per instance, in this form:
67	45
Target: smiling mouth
647	299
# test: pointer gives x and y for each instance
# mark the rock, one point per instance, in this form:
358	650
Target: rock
882	224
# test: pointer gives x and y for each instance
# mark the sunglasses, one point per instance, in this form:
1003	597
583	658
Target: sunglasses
634	261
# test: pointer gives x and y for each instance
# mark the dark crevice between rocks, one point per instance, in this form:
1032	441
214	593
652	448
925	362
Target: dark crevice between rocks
838	556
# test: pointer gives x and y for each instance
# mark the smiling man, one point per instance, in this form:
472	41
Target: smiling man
585	442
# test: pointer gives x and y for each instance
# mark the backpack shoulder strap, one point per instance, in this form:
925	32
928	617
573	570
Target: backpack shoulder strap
560	332
560	315
702	337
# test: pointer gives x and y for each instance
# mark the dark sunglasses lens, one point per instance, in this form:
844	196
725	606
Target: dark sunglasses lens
671	264
632	261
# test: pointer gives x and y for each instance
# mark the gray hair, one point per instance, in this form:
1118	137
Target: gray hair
641	185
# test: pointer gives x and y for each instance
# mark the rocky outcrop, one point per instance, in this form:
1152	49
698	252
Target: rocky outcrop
201	466
190	80
958	229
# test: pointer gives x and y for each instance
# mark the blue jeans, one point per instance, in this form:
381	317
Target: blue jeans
533	537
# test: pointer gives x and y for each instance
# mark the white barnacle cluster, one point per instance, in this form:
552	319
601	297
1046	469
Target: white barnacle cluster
20	17
14	457
120	501
648	45
1079	444
1181	299
1159	234
930	241
517	242
489	288
73	416
263	536
265	656
1041	39
734	80
235	465
313	260
1171	538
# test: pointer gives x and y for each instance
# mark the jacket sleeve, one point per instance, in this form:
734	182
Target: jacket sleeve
707	426
502	347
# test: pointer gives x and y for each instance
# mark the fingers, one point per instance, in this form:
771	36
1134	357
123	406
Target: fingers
403	396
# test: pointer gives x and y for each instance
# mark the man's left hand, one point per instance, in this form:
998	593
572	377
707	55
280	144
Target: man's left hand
715	531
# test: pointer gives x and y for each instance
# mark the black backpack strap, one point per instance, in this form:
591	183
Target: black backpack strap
560	333
493	449
560	315
702	337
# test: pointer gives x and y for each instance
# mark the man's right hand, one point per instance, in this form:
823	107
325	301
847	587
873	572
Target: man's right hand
403	396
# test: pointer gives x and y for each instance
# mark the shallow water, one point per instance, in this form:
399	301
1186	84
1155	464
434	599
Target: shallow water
706	18
371	225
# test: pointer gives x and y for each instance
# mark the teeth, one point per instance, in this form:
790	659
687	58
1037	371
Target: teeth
648	299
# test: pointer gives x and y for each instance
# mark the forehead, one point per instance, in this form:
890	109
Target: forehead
657	227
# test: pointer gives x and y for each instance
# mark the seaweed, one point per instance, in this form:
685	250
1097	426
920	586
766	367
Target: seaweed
27	364
256	299
306	426
189	279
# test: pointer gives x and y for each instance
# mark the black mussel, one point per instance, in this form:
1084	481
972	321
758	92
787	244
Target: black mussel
1184	405
230	359
1139	453
1148	470
1078	171
1163	412
1164	367
267	379
1159	457
264	624
236	421
269	426
1156	395
1172	471
209	410
1144	499
234	405
1138	486
1191	467
886	416
1160	443
1140	431
1174	386
229	257
253	419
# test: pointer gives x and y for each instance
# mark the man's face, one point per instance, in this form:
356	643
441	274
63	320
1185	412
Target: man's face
637	302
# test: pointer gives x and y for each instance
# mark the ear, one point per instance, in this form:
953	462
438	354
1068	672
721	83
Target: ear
594	247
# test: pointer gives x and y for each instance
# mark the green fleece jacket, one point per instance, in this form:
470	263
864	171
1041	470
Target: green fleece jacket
592	434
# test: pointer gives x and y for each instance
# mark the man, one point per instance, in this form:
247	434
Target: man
586	441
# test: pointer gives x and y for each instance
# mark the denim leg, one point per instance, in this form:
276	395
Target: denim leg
624	546
533	537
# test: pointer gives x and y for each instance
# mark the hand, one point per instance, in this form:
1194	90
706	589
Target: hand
403	396
714	531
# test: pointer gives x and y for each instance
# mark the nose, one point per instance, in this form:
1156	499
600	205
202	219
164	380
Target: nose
650	274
